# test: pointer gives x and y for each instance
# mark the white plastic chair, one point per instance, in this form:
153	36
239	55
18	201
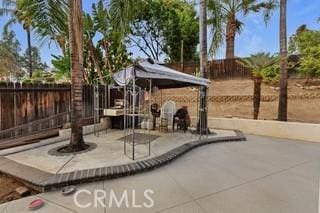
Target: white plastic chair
168	110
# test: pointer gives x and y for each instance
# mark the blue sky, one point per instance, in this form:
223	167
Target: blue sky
255	36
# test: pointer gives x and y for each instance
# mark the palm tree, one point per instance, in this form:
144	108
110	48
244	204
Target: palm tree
283	92
18	14
49	20
123	12
75	23
257	63
223	17
203	127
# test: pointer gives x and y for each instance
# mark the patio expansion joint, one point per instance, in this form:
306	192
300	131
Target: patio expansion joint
56	204
64	165
3	210
58	180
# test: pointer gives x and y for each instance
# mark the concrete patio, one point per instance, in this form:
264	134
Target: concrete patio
45	169
109	151
261	175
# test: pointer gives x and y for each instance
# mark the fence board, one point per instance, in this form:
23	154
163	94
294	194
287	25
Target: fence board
217	69
23	103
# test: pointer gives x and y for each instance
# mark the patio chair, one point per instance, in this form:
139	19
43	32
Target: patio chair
182	119
167	111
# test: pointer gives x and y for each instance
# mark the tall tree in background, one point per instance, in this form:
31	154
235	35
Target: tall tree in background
306	43
283	92
203	66
76	38
18	13
37	64
223	16
10	60
161	26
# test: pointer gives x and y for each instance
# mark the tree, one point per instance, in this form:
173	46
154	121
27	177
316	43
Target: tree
9	56
181	24
147	30
49	20
75	23
223	17
109	53
283	92
306	43
203	121
10	60
102	56
258	63
161	26
36	60
17	9
123	12
62	67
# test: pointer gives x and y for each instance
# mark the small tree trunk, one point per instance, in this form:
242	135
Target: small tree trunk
283	93
29	52
230	36
76	53
256	97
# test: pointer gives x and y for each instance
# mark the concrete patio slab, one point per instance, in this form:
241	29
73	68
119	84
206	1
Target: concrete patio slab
203	178
83	198
106	161
245	198
3	206
280	153
21	206
159	182
281	192
191	207
201	182
108	153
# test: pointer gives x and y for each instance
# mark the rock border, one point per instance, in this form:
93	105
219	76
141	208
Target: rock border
44	181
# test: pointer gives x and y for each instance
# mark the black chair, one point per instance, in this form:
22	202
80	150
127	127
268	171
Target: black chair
180	118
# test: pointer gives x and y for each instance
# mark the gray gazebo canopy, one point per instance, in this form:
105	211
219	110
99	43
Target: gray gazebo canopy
161	76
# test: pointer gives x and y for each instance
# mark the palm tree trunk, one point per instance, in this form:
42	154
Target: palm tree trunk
283	93
76	53
230	36
256	96
29	51
203	121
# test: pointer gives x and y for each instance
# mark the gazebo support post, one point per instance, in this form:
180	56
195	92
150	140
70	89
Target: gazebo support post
133	113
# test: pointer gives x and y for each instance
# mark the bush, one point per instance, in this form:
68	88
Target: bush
271	74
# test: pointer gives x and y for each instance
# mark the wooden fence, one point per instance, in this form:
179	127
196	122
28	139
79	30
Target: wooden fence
217	69
24	103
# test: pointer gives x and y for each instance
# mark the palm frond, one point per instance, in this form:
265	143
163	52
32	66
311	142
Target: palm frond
217	21
266	6
8	24
49	18
259	61
123	12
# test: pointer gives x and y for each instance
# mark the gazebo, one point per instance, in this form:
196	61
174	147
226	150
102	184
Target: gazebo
137	82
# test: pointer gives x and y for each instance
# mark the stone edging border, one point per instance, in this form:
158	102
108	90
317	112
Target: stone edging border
44	181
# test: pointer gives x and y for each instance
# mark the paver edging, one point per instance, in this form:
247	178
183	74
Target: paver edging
55	181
